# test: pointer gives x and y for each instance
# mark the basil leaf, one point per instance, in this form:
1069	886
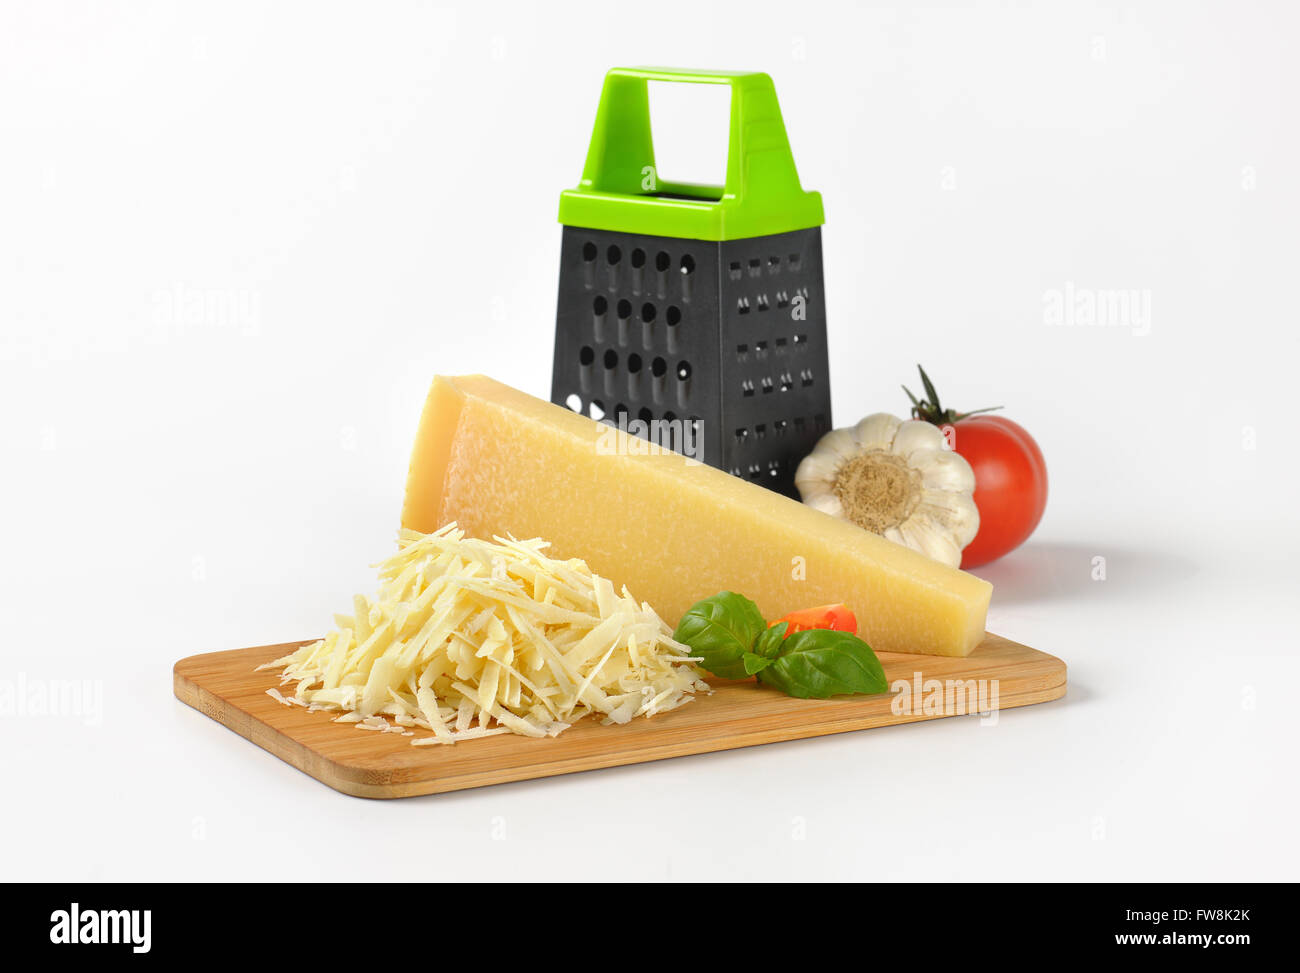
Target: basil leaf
819	663
754	663
720	631
770	643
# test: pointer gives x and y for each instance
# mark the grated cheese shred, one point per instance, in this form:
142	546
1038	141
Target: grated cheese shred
468	638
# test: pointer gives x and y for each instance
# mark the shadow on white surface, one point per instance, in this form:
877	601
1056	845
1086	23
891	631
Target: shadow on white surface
1053	571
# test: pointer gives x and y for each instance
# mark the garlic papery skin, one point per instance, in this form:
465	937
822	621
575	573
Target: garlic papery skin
896	478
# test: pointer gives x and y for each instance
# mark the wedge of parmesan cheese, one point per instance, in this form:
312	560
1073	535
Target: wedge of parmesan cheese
468	638
496	460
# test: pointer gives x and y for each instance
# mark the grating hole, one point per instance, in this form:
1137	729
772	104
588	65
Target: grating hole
747	388
742	351
586	356
683	370
773	265
805	378
647	312
634	363
600	305
613	255
798	423
688	264
673	316
819	421
760	430
733	268
800	339
645	415
589	251
741	434
620	411
742	305
658	367
782	299
596	409
755	266
767	384
755	471
624	309
760	348
794	260
780	426
662	261
670	416
762	302
787	382
780	343
638	257
611	358
574	402
774	468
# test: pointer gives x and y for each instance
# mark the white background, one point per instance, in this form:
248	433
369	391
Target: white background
238	240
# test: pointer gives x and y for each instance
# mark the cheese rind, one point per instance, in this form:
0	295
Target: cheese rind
497	461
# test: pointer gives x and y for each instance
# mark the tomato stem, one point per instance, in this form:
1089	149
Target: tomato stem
929	409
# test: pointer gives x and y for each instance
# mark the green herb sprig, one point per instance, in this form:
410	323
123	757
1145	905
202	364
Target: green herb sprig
728	634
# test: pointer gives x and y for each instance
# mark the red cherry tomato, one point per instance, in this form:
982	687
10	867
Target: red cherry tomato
1010	484
835	617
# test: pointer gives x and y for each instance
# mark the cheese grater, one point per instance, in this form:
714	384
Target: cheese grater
694	315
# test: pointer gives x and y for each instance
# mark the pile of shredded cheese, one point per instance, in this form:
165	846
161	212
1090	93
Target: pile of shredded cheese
469	638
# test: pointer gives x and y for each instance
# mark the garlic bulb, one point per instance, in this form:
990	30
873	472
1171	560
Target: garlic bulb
896	478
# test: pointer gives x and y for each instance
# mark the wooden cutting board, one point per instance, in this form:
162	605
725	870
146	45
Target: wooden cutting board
224	686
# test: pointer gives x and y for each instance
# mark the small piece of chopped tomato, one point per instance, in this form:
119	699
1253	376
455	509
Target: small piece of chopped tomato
835	617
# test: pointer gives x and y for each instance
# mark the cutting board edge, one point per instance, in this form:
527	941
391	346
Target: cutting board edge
273	741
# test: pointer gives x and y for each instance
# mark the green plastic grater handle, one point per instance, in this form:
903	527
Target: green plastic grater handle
761	195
